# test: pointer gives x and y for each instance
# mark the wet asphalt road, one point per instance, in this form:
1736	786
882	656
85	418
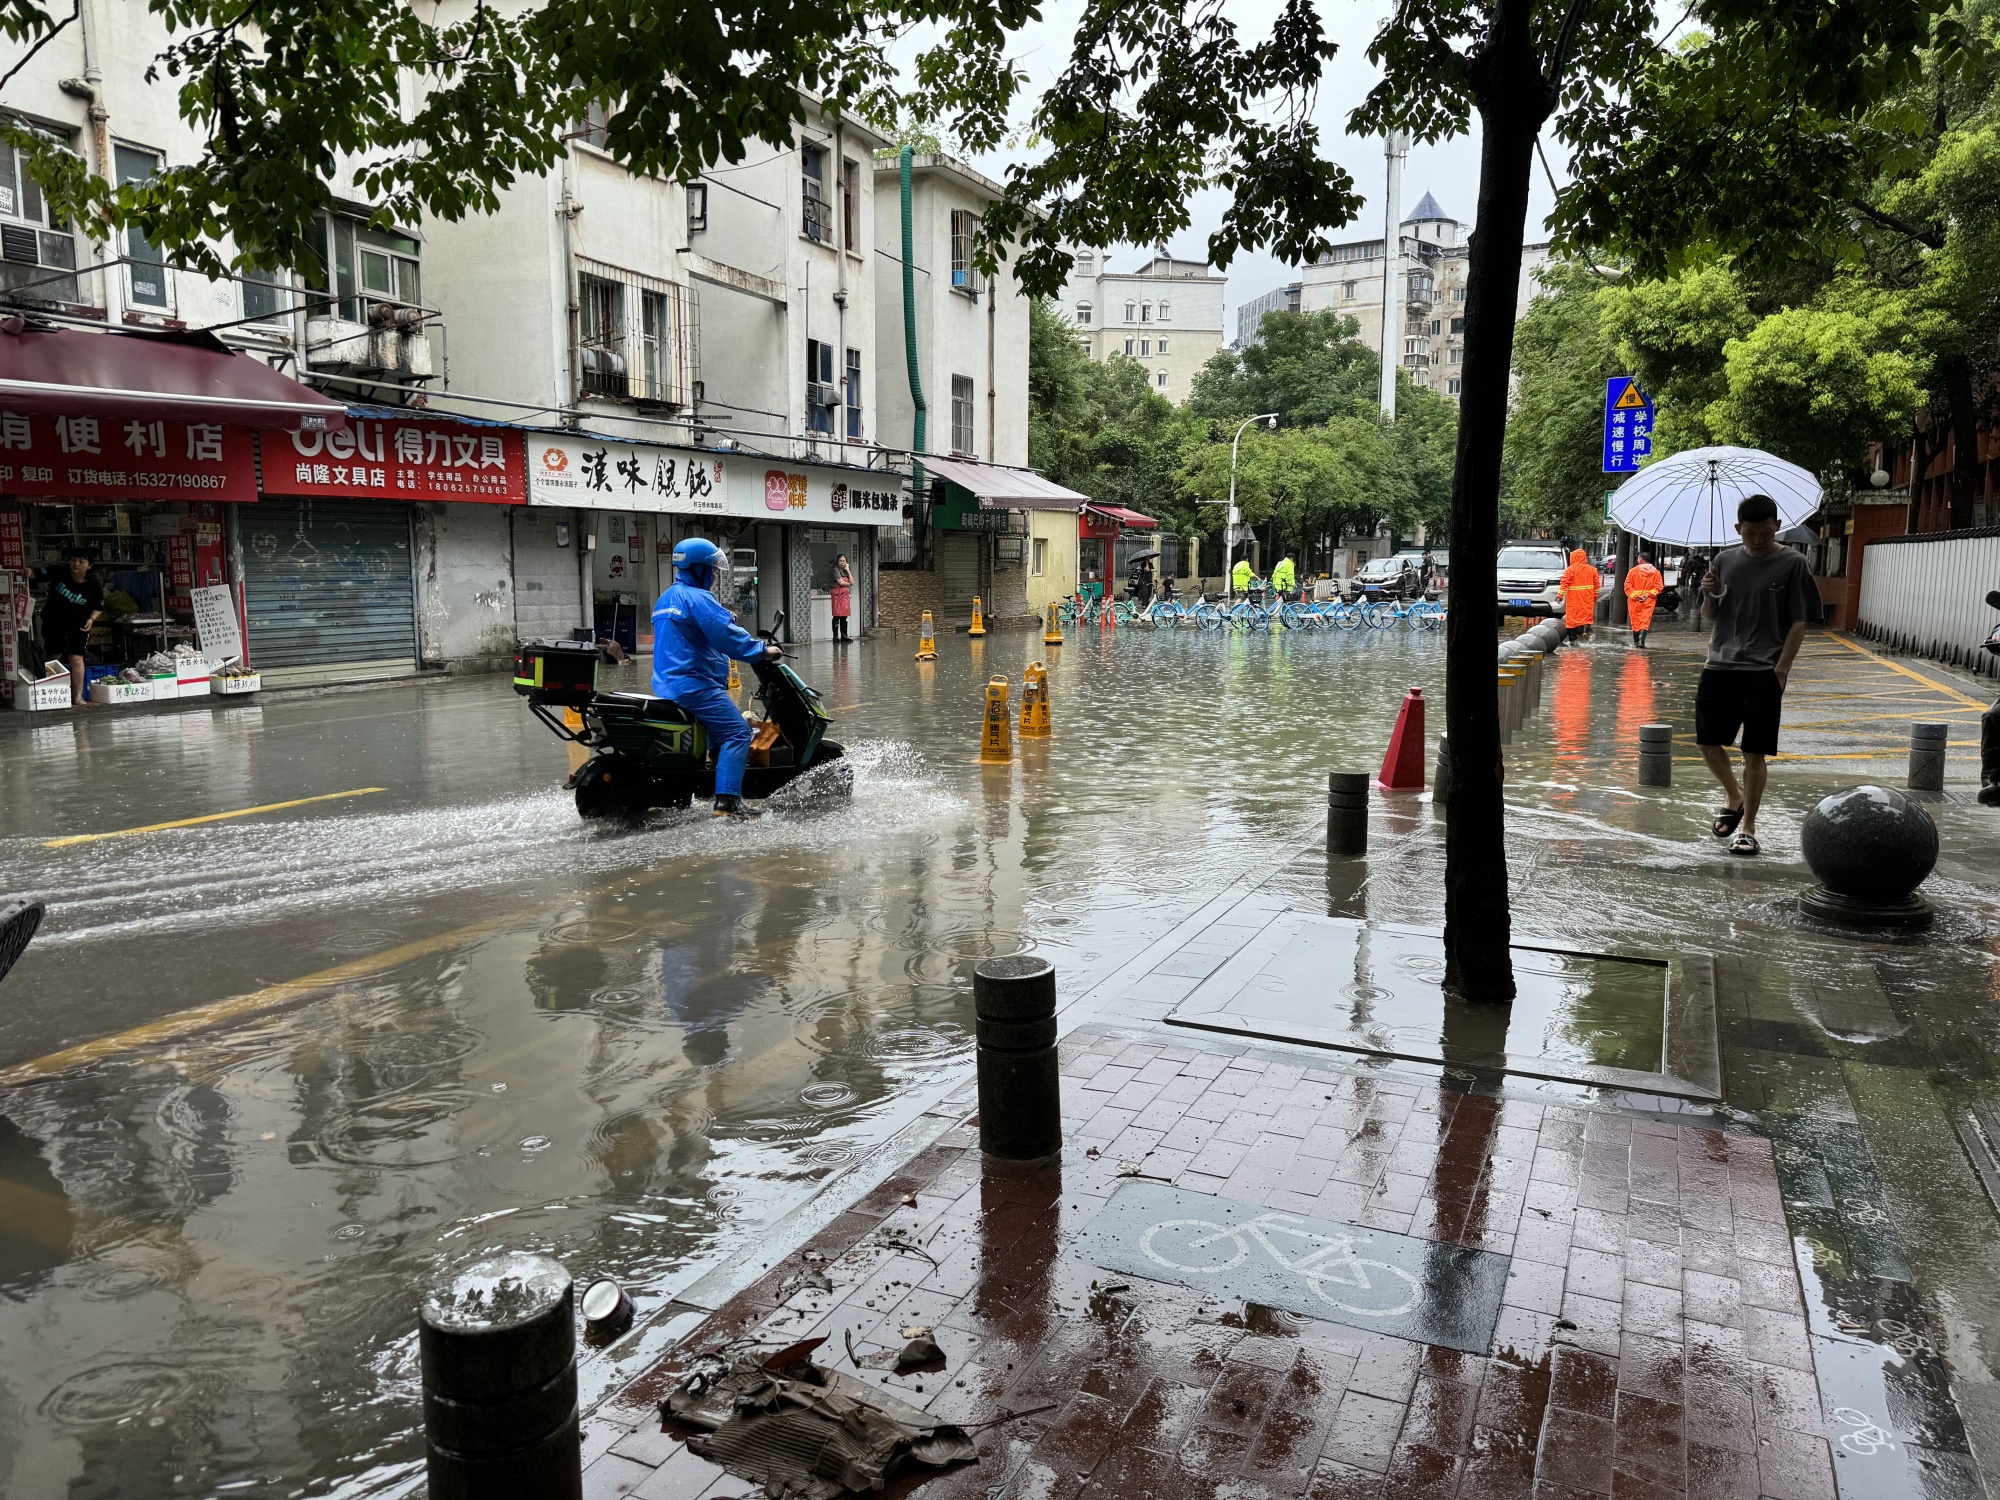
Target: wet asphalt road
631	1047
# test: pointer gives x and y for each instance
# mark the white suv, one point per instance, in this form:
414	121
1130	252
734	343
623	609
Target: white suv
1530	579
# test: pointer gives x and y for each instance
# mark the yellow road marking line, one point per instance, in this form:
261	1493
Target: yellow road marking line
1914	676
236	1007
241	812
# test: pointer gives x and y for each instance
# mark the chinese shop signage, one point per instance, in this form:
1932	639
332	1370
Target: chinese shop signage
601	475
399	459
110	458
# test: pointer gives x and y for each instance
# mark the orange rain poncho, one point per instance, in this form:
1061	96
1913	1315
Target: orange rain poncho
1642	591
1579	590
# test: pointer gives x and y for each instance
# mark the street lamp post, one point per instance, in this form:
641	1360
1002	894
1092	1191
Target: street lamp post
1236	516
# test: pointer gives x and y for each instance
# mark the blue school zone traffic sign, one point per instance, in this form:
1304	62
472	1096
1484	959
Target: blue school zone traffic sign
1628	425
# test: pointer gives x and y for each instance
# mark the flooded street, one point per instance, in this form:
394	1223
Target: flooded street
268	1076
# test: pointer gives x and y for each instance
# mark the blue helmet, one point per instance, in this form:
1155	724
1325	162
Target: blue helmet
695	558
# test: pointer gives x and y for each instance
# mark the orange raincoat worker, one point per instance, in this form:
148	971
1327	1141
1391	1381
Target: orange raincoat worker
1642	591
1579	590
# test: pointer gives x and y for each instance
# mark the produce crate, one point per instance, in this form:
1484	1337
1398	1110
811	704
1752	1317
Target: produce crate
165	687
41	697
117	693
229	687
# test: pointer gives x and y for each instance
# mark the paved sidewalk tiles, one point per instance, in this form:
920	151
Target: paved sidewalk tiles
1651	1337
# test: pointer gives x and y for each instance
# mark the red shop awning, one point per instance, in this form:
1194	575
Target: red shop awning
1124	517
188	377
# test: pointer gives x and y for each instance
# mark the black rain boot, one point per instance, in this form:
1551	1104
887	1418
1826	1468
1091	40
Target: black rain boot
736	807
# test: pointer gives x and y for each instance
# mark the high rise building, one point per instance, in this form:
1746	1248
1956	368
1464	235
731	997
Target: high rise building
1167	315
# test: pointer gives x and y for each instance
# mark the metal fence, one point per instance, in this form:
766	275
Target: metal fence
1927	596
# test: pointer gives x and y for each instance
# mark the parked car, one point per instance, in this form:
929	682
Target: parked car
1382	577
1530	578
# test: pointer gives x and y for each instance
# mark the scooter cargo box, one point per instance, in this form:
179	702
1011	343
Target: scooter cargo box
560	672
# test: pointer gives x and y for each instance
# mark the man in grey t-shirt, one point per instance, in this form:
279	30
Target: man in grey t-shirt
1760	597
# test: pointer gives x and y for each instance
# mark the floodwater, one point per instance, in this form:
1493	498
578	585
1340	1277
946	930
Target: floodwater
631	1047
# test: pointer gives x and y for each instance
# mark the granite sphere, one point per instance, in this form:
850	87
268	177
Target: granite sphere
1870	842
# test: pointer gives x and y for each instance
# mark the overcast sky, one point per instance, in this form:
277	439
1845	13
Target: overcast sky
1449	171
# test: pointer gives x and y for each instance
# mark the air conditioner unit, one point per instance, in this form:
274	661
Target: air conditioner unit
819	393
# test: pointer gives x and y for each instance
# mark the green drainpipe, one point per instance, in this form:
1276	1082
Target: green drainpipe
917	515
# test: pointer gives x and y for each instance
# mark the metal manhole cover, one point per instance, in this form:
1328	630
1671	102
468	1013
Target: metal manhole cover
1340	1273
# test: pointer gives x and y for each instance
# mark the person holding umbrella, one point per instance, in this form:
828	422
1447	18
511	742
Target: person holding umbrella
1760	597
1643	584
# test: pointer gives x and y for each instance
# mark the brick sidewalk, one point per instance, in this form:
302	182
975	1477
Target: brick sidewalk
1652	1340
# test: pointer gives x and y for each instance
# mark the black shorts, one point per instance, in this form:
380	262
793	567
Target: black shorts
63	644
1725	702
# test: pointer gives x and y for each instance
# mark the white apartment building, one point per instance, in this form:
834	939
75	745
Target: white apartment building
1433	250
540	402
1167	315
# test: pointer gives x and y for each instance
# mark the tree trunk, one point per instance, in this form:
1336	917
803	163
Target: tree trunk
1964	441
1513	101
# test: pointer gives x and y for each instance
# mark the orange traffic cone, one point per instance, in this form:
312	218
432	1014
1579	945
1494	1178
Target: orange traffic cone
1403	767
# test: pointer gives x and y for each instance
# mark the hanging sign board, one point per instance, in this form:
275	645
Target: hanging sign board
598	474
1628	425
91	459
403	459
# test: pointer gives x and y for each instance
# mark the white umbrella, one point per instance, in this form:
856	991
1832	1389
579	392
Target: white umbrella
1690	499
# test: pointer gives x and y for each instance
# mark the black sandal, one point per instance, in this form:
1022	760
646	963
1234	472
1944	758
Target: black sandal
1726	821
1745	843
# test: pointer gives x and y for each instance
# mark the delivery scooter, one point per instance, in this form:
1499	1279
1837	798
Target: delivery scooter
648	752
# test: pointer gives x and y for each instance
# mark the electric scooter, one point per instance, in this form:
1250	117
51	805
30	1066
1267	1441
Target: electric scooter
648	752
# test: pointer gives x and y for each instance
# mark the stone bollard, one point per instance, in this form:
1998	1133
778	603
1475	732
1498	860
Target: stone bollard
1871	847
1346	814
1656	755
497	1344
1532	660
1020	1090
1927	757
1441	783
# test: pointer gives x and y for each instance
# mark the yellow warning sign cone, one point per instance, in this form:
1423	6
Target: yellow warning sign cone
978	620
996	742
1035	702
1052	630
926	639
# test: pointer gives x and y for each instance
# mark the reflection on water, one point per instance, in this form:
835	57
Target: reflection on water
666	1035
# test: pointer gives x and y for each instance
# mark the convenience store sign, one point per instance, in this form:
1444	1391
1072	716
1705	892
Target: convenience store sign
104	459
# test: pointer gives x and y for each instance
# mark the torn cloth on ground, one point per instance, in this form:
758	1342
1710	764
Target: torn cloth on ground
800	1430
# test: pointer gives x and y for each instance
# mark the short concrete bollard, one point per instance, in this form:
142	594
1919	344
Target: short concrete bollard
1656	755
1441	783
1927	743
497	1344
1020	1090
1346	814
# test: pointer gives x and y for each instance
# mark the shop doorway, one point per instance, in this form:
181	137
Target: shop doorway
328	584
958	568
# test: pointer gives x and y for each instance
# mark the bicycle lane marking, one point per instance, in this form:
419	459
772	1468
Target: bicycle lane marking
1340	1273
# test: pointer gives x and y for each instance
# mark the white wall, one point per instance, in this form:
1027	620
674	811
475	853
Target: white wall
465	583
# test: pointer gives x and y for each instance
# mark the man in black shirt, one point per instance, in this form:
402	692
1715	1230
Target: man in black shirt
74	603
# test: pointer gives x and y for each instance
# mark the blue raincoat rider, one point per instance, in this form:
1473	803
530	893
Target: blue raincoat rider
694	636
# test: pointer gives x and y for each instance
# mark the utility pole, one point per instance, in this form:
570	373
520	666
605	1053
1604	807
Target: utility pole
1395	146
1235	521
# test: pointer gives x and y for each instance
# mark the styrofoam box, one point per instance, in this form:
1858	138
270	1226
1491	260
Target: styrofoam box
193	669
230	686
117	693
40	697
197	688
165	688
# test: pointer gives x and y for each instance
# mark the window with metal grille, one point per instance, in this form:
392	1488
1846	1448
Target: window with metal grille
961	414
34	244
964	234
600	323
852	391
812	185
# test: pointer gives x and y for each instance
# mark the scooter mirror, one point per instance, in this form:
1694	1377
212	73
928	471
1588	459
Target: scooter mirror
1993	598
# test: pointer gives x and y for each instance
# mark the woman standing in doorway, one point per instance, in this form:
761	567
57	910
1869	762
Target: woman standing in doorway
843	597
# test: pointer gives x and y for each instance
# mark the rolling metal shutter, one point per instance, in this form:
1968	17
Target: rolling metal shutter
328	582
958	561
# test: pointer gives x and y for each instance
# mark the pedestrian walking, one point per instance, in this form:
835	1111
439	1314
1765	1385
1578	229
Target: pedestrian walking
843	597
693	639
1643	584
69	614
1760	597
1578	585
